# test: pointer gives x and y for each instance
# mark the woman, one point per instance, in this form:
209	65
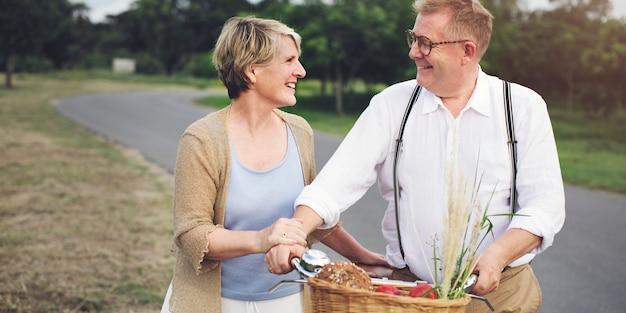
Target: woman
238	172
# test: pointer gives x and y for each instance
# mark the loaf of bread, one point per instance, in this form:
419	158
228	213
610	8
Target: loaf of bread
342	273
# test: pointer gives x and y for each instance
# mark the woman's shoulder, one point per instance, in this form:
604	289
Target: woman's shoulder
210	125
295	121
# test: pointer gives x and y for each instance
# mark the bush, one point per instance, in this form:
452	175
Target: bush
94	60
147	64
200	65
32	64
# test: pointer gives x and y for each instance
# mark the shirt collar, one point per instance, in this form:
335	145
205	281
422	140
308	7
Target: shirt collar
477	102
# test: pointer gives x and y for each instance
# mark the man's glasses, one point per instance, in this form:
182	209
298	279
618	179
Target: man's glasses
425	44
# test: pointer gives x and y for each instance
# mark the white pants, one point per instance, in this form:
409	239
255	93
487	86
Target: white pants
165	308
288	304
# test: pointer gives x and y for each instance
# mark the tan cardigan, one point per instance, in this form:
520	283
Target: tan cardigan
201	186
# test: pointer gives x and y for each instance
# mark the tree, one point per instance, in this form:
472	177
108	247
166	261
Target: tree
204	18
352	39
26	26
62	46
161	27
506	39
171	31
562	36
607	63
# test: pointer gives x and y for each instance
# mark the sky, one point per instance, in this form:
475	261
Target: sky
100	8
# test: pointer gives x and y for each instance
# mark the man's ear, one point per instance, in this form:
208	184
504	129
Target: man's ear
469	50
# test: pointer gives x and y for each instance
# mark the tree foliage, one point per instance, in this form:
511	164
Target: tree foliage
354	40
574	54
27	25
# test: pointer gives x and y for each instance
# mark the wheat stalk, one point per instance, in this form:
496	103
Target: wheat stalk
462	204
454	218
464	220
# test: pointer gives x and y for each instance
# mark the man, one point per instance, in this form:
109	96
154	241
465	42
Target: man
459	115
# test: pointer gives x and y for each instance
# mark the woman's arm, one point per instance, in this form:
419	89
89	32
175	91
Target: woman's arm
227	244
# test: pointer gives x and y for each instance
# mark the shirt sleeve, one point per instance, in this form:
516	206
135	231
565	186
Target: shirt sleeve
541	200
352	169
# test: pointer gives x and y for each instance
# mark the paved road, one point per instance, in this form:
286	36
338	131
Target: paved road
585	271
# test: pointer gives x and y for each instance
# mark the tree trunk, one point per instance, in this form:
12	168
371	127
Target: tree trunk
619	103
338	91
570	91
9	65
327	78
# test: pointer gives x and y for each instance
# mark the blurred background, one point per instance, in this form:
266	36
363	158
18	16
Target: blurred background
571	51
86	224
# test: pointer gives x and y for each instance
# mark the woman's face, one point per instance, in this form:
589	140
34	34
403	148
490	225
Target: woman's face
276	81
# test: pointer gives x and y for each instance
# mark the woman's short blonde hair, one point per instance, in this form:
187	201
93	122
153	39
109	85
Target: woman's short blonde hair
470	20
245	41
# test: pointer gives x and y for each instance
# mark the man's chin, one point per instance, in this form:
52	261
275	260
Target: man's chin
421	80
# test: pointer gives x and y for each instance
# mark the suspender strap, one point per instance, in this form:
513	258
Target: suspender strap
396	159
512	142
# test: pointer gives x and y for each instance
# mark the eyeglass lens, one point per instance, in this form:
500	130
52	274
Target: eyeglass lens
423	43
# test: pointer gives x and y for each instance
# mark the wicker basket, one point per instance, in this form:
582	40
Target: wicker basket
327	298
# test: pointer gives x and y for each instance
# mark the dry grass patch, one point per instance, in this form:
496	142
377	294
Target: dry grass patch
86	226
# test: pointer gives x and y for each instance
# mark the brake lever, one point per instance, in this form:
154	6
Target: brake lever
483	299
469	284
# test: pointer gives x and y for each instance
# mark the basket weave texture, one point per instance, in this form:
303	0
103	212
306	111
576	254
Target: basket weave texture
327	298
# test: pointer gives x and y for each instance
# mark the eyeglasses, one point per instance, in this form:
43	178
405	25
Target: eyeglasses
425	44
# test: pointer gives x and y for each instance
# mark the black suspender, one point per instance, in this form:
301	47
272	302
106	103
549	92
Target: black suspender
508	109
396	159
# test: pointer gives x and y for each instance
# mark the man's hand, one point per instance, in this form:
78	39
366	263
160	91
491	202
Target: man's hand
278	258
488	277
506	249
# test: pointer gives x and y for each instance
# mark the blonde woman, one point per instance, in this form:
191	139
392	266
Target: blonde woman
238	172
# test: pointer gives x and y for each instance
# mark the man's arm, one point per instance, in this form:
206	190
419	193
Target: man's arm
514	244
311	220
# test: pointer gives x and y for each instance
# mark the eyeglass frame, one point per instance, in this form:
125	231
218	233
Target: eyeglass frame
412	39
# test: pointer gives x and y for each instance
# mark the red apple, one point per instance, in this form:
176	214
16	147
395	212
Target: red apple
423	290
389	289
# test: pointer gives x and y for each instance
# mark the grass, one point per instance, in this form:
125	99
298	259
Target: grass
106	75
592	150
86	225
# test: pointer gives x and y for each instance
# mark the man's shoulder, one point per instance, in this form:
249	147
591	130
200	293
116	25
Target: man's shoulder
402	87
396	93
518	90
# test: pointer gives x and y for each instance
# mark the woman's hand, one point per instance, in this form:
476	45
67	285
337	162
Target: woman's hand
278	258
285	231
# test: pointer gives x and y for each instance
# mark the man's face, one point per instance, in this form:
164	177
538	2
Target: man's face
438	60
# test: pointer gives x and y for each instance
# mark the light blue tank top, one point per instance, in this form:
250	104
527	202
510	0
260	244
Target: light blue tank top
256	199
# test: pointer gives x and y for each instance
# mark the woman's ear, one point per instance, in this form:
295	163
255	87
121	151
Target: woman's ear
250	73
